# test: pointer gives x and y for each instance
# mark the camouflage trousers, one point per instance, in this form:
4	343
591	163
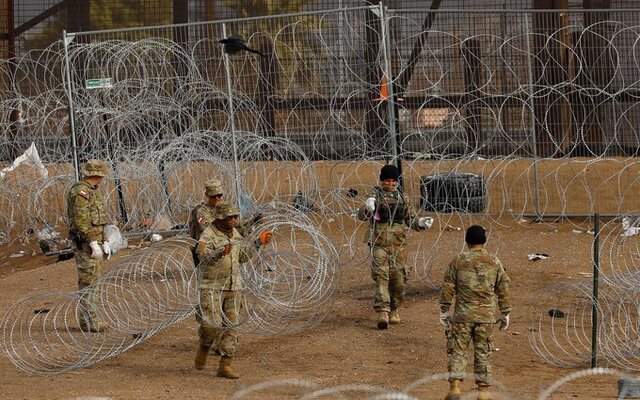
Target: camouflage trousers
458	339
89	271
219	312
389	273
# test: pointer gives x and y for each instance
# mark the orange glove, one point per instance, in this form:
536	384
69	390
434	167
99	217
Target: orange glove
226	251
265	237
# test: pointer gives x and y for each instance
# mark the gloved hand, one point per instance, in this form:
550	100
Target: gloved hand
108	251
504	322
425	222
96	250
265	237
445	318
370	204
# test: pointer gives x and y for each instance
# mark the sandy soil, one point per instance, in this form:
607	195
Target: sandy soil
344	349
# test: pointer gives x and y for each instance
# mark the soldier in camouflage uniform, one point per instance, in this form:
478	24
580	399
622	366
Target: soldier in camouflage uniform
204	213
475	278
221	286
390	217
87	215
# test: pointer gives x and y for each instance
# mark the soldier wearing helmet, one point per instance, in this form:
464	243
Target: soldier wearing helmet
221	252
390	216
87	216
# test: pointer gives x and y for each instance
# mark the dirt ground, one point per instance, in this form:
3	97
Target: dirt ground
345	350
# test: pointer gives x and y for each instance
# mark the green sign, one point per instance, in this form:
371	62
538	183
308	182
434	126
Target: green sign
100	83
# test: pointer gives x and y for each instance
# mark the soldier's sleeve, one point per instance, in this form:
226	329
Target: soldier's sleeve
207	249
449	285
82	219
502	289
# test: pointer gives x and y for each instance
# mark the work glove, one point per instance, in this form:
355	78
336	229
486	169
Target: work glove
504	322
264	238
445	318
96	250
425	222
108	250
370	204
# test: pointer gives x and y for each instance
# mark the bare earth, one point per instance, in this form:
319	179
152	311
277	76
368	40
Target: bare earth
344	349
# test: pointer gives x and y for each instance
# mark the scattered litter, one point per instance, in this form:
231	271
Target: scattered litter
514	333
156	237
591	232
631	225
522	221
270	268
553	313
330	220
577	231
451	228
537	256
41	311
17	254
586	274
50	241
496	349
115	238
137	335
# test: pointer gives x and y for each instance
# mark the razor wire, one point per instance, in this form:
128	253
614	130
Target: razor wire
562	317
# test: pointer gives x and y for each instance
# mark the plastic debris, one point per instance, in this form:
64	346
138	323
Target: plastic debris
156	237
631	225
537	256
17	254
553	313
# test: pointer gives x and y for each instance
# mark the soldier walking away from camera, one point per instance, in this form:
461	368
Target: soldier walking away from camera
475	278
87	215
390	216
221	253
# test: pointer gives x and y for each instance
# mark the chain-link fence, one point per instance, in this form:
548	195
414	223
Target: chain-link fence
436	91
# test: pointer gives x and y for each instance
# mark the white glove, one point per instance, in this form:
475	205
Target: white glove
425	222
108	250
445	319
504	322
370	204
96	250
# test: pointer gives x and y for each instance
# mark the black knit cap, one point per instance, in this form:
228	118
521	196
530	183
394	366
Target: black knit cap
475	235
389	172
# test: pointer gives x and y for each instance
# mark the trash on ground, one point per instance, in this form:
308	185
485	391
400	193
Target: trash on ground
537	256
17	254
553	313
631	225
156	237
41	311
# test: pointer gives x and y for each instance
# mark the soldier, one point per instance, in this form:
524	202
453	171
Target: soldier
390	215
475	278
204	213
87	218
221	286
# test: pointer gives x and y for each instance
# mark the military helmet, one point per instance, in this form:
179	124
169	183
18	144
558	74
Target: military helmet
213	187
95	168
224	210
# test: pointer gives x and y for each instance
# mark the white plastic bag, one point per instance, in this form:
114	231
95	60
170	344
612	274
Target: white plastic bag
114	237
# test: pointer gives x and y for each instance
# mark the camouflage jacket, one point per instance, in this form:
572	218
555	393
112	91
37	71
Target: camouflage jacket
87	212
476	278
391	220
201	217
222	272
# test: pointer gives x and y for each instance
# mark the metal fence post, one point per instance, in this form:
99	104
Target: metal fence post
232	124
66	39
596	276
534	145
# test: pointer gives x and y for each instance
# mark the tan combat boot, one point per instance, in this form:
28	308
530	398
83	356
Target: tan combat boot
454	390
483	393
201	357
394	317
225	370
383	319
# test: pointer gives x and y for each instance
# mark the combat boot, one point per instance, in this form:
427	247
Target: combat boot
394	317
383	319
454	390
483	393
201	357
225	370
